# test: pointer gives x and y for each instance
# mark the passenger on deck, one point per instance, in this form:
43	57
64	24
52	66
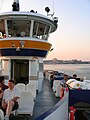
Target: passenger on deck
18	35
52	78
75	77
63	85
10	97
1	36
2	81
65	79
4	36
23	34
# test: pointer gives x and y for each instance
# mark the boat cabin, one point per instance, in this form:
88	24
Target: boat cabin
23	45
25	24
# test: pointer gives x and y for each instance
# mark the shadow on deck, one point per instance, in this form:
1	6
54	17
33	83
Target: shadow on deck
45	100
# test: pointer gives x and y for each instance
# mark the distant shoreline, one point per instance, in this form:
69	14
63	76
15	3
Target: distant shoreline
74	61
65	63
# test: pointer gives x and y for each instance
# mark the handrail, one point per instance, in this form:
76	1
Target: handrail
54	108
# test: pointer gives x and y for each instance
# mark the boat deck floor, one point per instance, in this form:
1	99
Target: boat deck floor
44	101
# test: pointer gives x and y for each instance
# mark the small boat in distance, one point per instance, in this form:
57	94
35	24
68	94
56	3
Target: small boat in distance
24	44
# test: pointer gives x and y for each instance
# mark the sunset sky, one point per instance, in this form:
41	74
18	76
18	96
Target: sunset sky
72	38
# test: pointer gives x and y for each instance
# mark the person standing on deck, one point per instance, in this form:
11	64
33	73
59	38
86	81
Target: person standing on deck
76	78
63	84
52	78
10	97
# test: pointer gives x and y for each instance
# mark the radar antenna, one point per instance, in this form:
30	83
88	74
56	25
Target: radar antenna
55	19
48	10
15	5
53	8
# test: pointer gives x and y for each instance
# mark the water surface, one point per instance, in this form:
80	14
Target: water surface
82	70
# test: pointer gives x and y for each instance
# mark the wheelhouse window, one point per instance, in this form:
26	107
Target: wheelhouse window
40	30
18	28
2	29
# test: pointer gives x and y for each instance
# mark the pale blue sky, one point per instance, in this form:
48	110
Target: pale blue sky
72	38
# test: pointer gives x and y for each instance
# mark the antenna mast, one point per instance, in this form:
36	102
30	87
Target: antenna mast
48	10
53	7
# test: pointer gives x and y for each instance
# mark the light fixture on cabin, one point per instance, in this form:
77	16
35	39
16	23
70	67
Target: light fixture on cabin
18	49
55	19
51	49
22	43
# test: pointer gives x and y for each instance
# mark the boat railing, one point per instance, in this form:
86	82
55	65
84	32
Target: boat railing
58	111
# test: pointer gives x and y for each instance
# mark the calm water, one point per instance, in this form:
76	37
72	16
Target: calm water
82	70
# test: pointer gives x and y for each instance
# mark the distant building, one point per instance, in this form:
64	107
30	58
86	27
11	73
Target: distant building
73	61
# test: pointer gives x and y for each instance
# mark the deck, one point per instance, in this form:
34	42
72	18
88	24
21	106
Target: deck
46	100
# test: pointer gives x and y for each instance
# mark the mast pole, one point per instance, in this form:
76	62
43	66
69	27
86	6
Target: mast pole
17	1
53	7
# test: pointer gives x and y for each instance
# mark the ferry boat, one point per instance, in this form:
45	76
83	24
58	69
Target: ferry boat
23	46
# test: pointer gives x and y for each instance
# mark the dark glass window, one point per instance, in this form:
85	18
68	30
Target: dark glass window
40	30
19	28
2	29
